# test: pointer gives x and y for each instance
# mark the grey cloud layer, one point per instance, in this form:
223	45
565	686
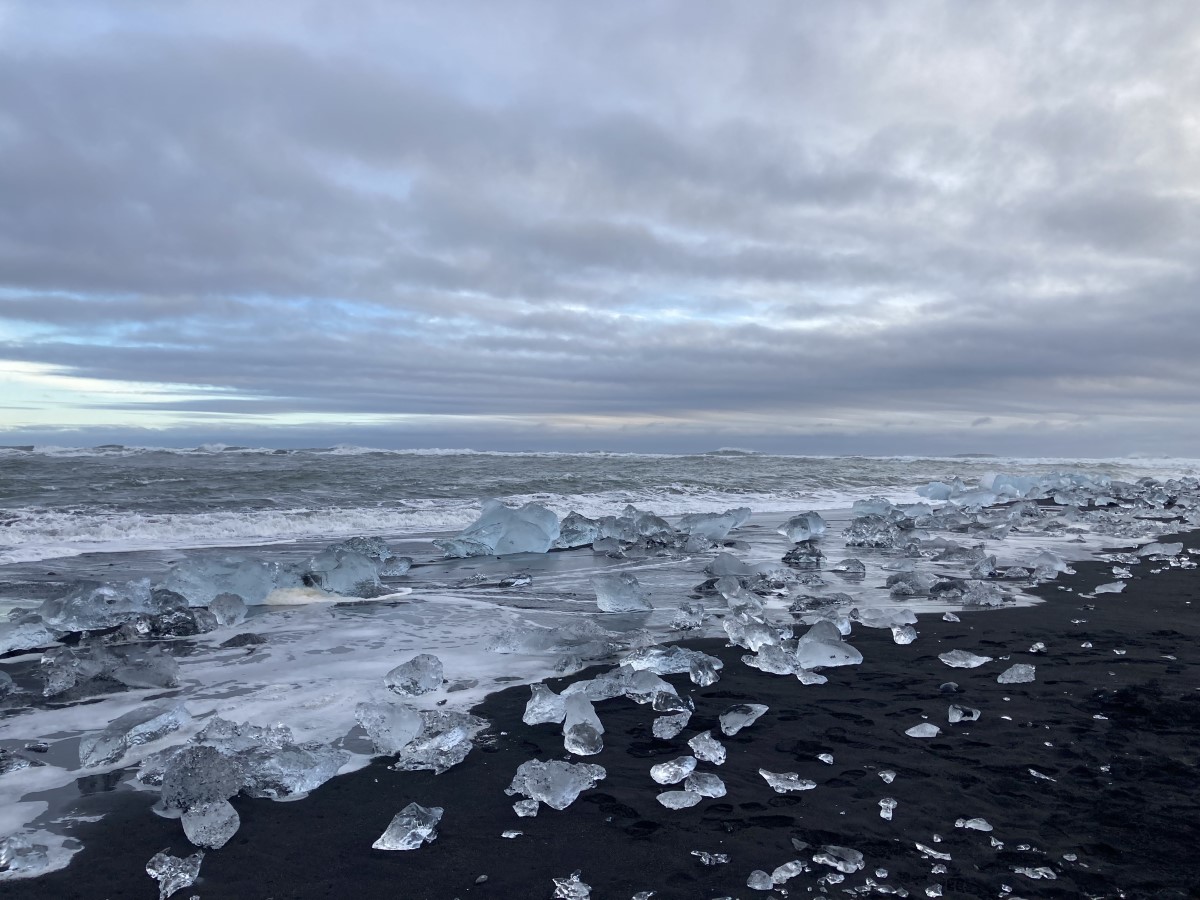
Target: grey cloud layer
974	211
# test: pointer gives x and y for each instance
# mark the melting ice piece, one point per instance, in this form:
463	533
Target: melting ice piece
582	728
884	616
826	758
1036	872
772	658
555	783
24	636
844	859
805	526
950	617
412	826
205	576
198	775
291	770
924	730
445	740
420	675
94	606
571	887
673	771
142	725
825	654
789	870
151	667
760	881
708	748
526	808
931	853
620	592
961	659
690	615
740	716
390	726
544	706
804	676
887	775
1114	587
714	526
679	799
211	825
229	609
886	807
705	784
577	530
785	782
711	859
872	531
173	873
973	824
1157	548
510	834
904	634
850	568
501	530
1021	673
676	660
983	593
962	714
667	727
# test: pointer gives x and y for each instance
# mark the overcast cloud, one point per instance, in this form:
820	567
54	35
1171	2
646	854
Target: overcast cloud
870	227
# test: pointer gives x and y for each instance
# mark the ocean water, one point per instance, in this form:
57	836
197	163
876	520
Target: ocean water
114	514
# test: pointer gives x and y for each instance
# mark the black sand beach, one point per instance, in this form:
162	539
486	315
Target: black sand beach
1117	736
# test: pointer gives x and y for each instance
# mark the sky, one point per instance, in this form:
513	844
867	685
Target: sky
864	227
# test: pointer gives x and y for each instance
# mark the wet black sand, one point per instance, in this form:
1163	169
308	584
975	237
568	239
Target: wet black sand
1120	734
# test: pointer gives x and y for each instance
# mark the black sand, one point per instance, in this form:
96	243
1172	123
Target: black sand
1119	734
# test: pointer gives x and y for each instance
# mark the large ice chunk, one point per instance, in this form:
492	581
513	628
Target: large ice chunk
620	592
148	723
91	606
714	526
420	675
343	572
30	635
1021	673
673	771
577	530
804	527
203	577
211	825
708	748
446	739
872	531
377	549
582	728
544	706
390	726
740	716
500	530
410	828
555	783
198	775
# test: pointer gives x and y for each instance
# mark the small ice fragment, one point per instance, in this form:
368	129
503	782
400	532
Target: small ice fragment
555	783
760	881
949	687
785	782
934	890
173	873
412	826
740	716
667	727
571	887
420	675
711	859
962	714
1021	673
924	730
844	859
950	617
886	806
789	870
934	854
211	825
826	758
679	799
526	808
887	775
1036	774
1036	872
705	784
1114	587
807	676
620	592
973	824
690	615
673	771
510	834
544	706
961	659
707	748
1159	549
904	634
1086	645
142	725
1038	647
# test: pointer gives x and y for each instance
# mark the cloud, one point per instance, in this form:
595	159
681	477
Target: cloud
774	218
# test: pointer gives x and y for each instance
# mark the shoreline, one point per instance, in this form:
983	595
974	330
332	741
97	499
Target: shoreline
1131	828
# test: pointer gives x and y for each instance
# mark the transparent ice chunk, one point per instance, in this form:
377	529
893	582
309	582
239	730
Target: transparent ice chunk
142	725
760	881
25	636
679	799
92	606
173	873
786	782
1157	548
705	784
961	659
229	609
904	634
292	770
582	728
390	726
620	592
711	859
714	526
526	808
789	870
973	824
673	771
667	727
198	775
1021	673
826	654
707	748
886	807
844	859
1114	587
962	714
211	825
850	567
924	730
501	530
803	527
343	572
555	783
544	706
740	716
572	887
690	615
446	738
420	675
410	828
202	577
